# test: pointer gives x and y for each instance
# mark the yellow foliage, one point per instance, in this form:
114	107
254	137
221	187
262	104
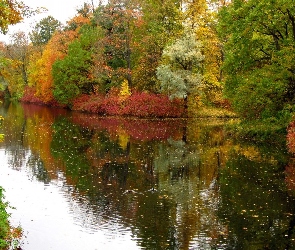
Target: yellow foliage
203	20
41	64
124	91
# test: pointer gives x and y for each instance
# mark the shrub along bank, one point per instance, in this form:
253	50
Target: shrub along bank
9	236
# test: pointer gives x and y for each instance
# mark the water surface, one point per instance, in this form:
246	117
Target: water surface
78	181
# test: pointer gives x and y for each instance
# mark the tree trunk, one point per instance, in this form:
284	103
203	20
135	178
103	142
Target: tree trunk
185	105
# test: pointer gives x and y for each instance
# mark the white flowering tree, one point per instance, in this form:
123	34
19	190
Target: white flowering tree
179	73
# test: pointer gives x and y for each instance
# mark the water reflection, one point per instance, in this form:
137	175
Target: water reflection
170	184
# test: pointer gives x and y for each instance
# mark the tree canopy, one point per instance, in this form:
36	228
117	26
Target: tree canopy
259	63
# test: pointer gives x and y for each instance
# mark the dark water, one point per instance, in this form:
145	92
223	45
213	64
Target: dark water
78	181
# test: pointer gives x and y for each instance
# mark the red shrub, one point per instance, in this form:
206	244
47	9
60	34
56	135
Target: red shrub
152	105
138	104
88	103
30	96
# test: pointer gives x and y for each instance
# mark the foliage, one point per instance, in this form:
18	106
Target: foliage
9	236
73	75
4	224
179	73
152	105
259	62
201	16
43	30
13	11
138	104
178	76
120	20
40	67
30	96
14	68
162	23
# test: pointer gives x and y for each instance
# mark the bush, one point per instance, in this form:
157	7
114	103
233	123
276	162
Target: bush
138	104
152	105
30	96
9	236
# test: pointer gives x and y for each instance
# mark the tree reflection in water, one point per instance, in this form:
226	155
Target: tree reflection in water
174	188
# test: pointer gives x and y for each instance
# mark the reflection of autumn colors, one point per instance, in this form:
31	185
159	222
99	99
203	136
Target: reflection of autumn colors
176	184
291	137
139	129
290	176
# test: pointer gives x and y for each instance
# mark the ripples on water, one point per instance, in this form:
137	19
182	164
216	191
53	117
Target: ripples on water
82	182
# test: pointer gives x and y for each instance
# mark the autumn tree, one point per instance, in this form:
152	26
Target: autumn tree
162	23
13	12
40	68
179	73
17	57
200	16
259	61
120	20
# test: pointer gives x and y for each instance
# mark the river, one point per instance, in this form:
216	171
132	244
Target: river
79	181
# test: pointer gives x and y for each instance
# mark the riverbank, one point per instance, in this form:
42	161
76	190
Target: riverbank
137	104
9	236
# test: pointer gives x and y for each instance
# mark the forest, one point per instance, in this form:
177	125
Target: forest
158	58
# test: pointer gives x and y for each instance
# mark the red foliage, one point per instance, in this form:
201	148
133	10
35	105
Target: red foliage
88	103
30	96
138	104
152	105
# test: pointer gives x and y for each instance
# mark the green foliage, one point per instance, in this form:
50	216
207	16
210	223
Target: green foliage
259	52
72	75
4	224
44	30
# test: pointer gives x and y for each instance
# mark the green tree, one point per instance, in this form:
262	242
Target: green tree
179	74
72	76
259	62
43	30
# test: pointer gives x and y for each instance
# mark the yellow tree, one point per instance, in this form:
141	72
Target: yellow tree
200	17
13	11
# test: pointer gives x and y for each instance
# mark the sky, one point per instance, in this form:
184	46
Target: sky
61	10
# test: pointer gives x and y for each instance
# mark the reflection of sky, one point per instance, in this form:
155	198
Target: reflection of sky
47	216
